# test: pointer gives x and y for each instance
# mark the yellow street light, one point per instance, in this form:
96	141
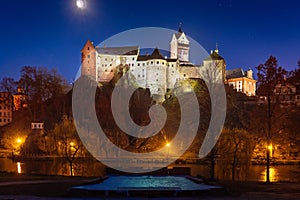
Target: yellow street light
168	144
19	140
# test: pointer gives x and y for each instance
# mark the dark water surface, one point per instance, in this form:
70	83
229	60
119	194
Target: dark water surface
92	168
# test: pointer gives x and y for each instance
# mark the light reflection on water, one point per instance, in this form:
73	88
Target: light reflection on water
254	173
19	169
273	175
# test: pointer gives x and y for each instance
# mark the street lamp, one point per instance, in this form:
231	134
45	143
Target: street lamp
168	144
168	149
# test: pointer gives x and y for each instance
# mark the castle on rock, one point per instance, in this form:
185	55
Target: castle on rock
156	72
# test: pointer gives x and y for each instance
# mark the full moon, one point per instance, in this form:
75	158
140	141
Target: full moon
80	4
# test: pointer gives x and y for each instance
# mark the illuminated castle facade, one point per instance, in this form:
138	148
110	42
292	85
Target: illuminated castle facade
154	71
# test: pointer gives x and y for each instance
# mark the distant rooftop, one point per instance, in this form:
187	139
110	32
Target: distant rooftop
235	73
127	50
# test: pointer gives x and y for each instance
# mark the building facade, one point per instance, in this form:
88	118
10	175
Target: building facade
20	99
155	72
241	81
6	108
288	93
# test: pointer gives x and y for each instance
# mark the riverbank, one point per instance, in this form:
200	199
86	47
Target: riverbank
14	186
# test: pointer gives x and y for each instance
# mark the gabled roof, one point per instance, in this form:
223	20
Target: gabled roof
88	43
155	55
235	73
177	35
127	50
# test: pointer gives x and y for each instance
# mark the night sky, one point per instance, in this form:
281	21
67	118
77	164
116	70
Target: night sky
51	33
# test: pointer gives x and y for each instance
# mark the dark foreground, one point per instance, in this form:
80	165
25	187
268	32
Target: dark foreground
13	186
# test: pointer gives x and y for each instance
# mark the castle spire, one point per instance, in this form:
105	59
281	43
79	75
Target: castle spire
179	28
217	48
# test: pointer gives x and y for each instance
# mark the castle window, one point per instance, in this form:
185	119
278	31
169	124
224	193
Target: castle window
0	120
163	63
143	75
4	120
110	64
111	70
88	48
111	59
151	62
105	59
106	70
143	64
172	65
139	76
157	62
89	56
132	58
156	79
184	75
0	113
132	64
138	64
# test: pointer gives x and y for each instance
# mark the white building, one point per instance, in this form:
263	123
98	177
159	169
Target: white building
155	72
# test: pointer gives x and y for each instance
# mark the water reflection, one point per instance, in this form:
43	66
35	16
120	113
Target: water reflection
19	169
92	168
273	175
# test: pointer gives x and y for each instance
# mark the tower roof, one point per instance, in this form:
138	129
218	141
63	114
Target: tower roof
179	28
214	56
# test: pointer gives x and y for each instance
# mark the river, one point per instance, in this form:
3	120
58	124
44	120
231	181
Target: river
91	168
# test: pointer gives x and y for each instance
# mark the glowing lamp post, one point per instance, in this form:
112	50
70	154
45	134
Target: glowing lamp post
168	147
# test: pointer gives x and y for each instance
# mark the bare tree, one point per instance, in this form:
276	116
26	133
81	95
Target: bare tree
69	144
268	76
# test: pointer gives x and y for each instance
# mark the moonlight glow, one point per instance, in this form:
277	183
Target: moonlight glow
81	4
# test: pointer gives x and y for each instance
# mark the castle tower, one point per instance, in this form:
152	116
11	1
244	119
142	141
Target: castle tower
180	46
216	59
88	60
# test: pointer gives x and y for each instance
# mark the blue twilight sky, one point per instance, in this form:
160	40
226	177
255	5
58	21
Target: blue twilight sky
51	33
